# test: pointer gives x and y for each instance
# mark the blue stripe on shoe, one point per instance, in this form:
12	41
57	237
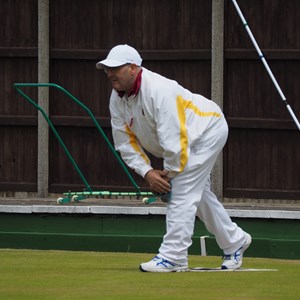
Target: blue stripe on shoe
165	263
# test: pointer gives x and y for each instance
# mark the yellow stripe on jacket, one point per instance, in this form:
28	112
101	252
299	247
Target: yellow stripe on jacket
182	105
133	142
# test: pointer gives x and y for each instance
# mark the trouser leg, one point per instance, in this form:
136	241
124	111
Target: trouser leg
180	220
211	212
187	194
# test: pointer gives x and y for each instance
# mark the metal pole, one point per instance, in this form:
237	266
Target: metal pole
261	56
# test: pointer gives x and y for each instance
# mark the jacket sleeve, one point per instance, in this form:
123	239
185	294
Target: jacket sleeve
127	143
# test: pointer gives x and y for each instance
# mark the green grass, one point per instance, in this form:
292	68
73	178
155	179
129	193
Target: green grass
26	274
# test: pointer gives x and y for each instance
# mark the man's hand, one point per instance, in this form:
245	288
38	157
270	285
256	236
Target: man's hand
158	181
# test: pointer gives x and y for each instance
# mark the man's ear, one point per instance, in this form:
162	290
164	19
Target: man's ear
133	69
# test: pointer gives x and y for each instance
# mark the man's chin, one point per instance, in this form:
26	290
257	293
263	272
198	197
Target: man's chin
116	87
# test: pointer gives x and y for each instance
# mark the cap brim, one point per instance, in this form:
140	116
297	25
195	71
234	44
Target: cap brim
109	63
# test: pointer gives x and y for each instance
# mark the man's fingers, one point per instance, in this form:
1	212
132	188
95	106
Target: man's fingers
158	181
161	186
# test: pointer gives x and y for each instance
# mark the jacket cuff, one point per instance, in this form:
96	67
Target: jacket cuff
143	171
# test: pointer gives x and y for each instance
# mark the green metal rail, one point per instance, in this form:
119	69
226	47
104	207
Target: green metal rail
18	87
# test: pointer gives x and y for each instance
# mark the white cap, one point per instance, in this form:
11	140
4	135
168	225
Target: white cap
120	55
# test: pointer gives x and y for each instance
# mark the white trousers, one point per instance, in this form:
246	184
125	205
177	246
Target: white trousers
191	197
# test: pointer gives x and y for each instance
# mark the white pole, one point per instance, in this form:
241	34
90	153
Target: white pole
203	245
261	56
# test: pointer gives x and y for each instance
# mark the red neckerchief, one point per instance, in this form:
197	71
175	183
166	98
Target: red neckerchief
135	87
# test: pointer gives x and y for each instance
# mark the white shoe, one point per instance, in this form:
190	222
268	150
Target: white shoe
235	260
158	264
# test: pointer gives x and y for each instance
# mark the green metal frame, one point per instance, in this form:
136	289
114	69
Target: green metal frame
81	195
148	197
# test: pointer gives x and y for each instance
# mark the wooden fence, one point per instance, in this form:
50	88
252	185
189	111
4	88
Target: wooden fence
261	159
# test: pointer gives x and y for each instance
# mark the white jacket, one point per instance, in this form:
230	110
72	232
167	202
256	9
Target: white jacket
164	118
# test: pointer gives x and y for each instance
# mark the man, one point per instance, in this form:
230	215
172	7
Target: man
188	131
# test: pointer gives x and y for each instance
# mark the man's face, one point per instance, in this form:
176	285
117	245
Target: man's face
120	77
